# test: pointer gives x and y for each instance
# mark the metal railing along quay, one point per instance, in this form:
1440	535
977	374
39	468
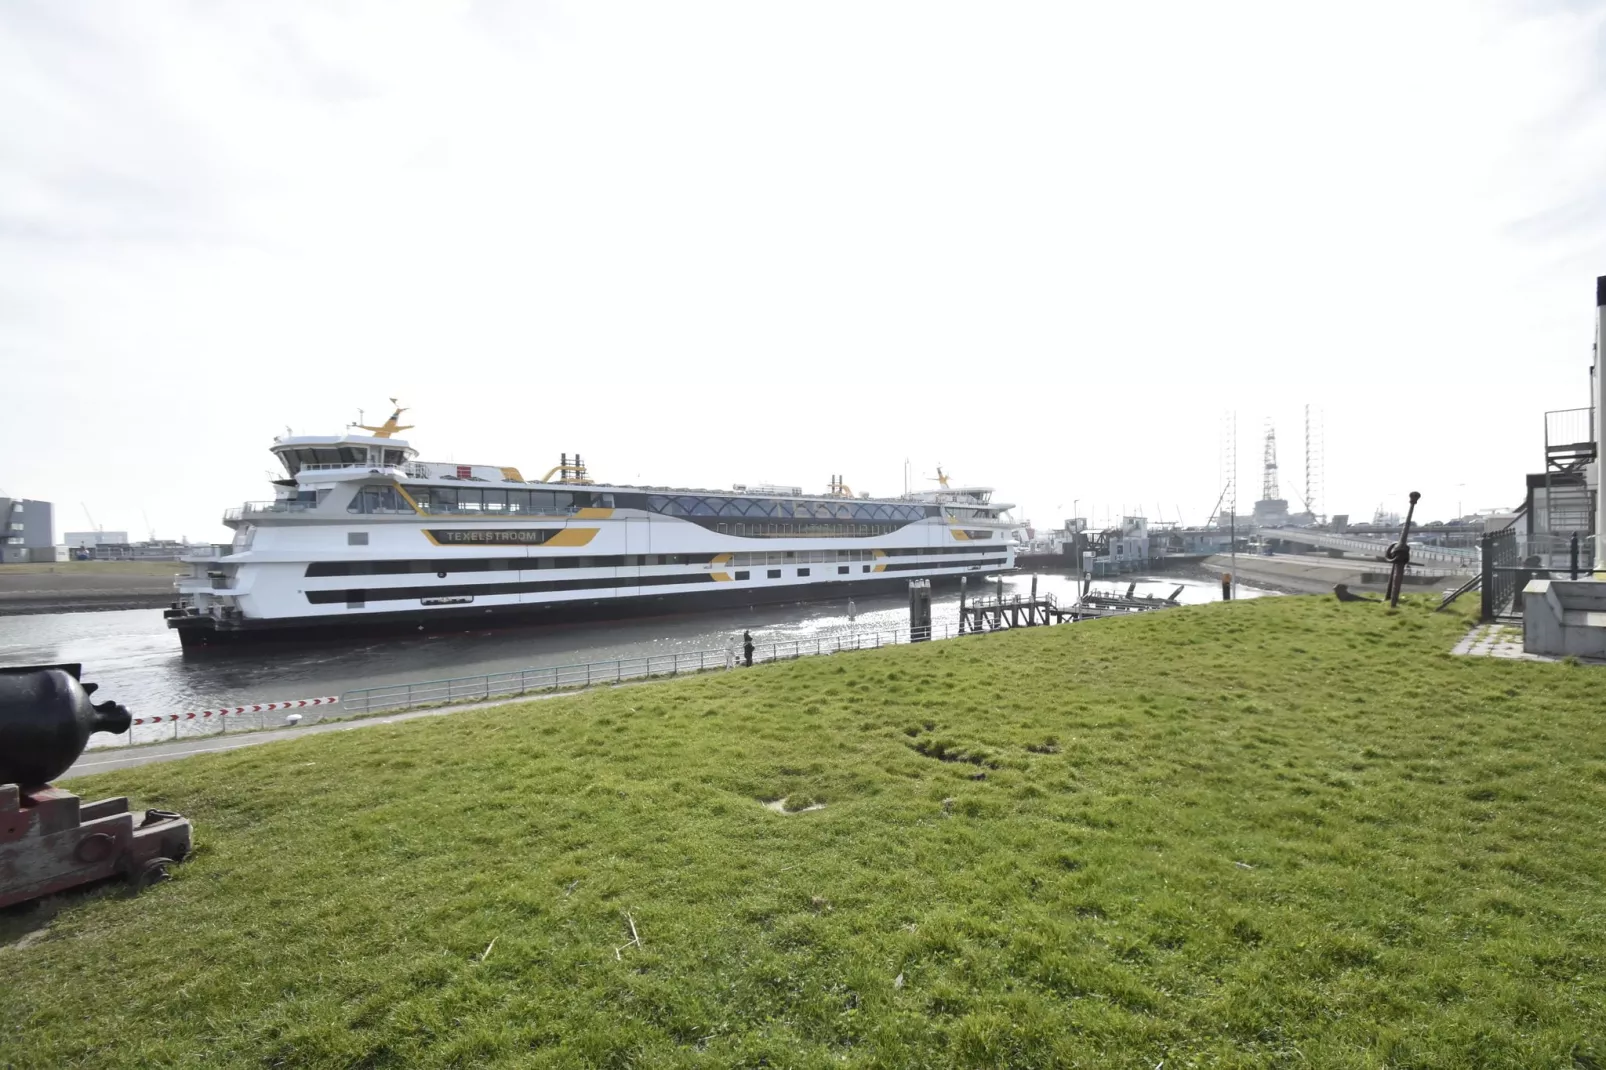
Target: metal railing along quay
1420	554
487	686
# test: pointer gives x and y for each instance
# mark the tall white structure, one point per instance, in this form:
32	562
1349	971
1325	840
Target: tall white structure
1600	419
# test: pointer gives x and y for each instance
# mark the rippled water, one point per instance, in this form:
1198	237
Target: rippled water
137	661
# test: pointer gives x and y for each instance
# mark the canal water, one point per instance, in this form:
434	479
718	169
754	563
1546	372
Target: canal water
137	661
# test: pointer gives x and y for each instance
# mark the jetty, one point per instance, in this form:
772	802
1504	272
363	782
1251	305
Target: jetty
990	613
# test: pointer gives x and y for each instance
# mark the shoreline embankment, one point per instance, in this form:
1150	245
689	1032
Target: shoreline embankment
87	586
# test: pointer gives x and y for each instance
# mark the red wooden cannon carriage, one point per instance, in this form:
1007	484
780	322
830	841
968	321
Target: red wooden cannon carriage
50	839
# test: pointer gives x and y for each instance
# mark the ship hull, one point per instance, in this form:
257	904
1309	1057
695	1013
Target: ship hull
205	633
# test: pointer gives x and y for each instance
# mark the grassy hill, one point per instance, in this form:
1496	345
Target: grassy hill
1271	833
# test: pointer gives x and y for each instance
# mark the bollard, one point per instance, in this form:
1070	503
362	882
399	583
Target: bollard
1226	587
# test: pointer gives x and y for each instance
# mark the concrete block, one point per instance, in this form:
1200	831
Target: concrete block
1564	617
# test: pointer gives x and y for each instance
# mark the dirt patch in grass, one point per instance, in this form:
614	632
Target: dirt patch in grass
790	805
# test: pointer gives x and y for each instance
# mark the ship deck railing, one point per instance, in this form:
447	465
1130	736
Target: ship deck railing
239	512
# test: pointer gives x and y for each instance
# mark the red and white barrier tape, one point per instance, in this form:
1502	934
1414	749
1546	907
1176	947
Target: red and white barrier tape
260	707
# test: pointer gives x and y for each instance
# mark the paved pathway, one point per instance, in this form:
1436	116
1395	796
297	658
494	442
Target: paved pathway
1496	641
110	758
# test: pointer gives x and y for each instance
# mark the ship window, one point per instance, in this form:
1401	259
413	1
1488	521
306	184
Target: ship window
864	568
742	575
438	499
356	538
774	573
842	570
470	500
562	500
378	500
802	572
703	506
394	457
518	501
495	500
582	499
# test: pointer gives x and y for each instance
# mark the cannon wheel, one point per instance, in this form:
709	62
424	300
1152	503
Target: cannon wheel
152	872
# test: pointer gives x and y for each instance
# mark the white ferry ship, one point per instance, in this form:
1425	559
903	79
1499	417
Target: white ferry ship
363	537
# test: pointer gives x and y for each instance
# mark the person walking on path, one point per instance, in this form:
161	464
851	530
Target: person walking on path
747	648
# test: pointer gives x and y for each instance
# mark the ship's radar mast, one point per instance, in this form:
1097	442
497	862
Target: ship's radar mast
390	426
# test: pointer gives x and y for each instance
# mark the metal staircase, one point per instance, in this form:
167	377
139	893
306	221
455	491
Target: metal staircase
1569	504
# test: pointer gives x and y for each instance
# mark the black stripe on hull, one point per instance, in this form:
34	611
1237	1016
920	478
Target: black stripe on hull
201	633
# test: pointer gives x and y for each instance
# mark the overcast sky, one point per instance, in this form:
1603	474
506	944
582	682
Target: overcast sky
1047	246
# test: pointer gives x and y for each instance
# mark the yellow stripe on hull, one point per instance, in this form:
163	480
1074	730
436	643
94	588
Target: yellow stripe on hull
572	537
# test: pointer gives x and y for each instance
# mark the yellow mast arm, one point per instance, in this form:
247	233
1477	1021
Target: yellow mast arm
390	426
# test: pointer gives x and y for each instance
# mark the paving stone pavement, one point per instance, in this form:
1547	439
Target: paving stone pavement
1496	641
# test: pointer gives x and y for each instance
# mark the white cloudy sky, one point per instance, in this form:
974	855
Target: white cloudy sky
1045	245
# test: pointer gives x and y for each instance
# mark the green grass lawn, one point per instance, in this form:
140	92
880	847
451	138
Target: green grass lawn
1283	832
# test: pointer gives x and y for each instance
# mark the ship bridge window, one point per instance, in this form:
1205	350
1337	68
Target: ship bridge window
395	457
378	500
330	456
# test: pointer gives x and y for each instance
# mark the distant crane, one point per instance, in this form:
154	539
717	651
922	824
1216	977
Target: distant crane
92	525
1268	487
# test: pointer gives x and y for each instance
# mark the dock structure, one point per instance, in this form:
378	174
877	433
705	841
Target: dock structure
991	613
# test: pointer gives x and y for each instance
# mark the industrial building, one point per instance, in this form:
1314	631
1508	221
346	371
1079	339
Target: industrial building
79	540
27	530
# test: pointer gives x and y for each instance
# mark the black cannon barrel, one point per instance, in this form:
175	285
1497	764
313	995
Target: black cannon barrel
46	720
